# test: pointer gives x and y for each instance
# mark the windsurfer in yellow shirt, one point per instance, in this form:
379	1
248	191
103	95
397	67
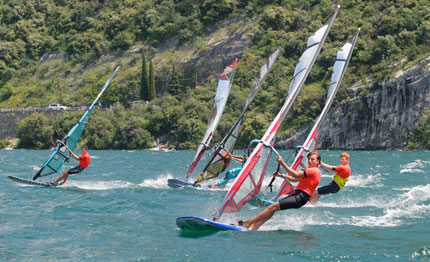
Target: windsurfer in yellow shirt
343	171
231	173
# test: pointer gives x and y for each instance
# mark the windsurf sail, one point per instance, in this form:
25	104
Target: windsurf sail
248	183
221	96
342	59
220	159
61	153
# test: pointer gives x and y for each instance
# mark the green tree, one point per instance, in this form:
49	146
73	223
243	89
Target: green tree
175	86
133	134
144	81
4	143
100	131
151	81
35	131
420	138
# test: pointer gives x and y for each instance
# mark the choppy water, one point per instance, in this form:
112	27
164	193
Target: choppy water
120	209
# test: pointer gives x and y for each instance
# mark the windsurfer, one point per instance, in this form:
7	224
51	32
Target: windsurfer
84	161
343	171
231	173
308	181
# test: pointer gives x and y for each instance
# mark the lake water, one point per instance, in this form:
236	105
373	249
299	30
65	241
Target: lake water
121	209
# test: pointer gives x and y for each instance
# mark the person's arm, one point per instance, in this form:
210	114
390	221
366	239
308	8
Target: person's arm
74	156
326	167
292	175
288	177
237	158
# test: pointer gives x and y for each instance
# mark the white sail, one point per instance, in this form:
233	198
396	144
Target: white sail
221	96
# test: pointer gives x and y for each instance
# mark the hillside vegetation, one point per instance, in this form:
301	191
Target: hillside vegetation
64	50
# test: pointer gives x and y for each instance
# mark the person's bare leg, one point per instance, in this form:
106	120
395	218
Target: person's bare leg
256	222
64	176
314	197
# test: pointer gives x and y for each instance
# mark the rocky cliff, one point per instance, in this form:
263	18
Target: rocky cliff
378	115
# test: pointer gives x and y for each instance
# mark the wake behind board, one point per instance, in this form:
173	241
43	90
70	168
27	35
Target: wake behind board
177	183
31	182
198	223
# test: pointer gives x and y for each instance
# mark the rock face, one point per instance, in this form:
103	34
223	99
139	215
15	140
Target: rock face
221	48
381	118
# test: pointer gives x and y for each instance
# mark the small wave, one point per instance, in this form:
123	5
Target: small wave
364	181
300	220
99	185
417	166
411	170
407	205
159	182
418	163
161	149
417	194
378	202
423	252
35	168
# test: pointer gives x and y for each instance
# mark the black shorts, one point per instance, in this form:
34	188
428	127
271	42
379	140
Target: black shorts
295	200
329	189
75	170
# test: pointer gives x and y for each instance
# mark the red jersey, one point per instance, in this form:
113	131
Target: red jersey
343	170
84	160
308	183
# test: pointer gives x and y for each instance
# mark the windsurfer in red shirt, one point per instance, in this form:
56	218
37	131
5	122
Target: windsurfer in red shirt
308	181
343	171
84	161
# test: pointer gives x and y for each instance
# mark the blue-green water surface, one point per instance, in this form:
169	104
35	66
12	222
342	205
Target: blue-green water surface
121	209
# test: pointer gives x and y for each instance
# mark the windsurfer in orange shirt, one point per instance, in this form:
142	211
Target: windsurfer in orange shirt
343	171
308	181
84	161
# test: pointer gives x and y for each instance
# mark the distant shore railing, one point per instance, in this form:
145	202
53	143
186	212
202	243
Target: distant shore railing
42	109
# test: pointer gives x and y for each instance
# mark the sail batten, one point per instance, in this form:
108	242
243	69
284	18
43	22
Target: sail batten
244	187
60	155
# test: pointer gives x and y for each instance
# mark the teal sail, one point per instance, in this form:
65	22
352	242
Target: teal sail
61	152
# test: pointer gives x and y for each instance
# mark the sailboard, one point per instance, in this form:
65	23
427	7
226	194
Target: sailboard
223	90
61	153
198	223
178	183
248	183
32	182
220	159
342	59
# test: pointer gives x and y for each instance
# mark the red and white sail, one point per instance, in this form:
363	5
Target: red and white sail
221	96
342	59
248	183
